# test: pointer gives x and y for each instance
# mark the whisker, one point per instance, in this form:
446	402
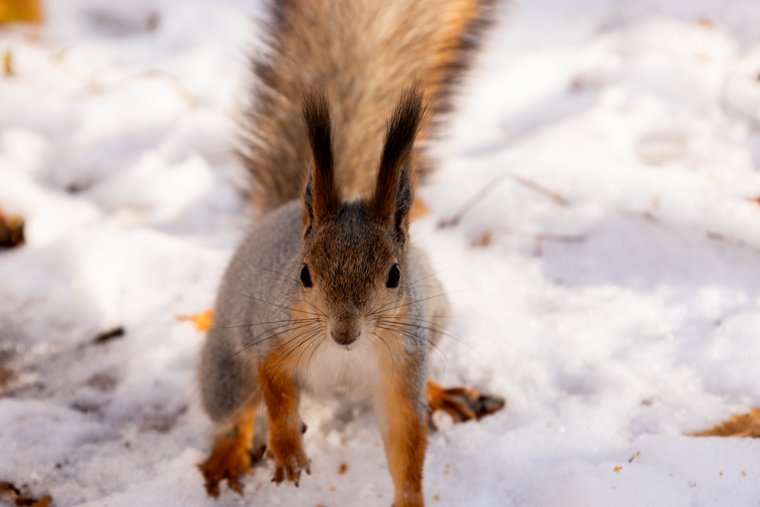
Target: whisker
287	328
313	349
298	361
288	276
432	327
289	308
430	275
294	321
390	353
309	335
430	343
323	314
419	323
386	309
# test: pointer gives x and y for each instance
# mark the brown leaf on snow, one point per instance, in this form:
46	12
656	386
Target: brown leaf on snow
419	209
745	425
8	70
6	375
202	321
483	240
9	492
11	230
706	23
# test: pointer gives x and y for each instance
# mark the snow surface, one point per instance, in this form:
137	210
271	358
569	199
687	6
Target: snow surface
606	283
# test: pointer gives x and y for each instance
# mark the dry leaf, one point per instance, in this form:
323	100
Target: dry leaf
6	375
11	230
342	468
419	209
9	492
617	469
706	23
483	240
745	425
20	11
202	321
8	70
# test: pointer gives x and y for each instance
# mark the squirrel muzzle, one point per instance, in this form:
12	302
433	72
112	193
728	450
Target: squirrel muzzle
345	330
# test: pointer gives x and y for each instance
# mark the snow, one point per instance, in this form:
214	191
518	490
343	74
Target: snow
605	283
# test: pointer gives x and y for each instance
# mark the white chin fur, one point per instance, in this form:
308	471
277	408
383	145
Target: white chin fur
335	370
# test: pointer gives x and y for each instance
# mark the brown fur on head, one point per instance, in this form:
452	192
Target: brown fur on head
354	252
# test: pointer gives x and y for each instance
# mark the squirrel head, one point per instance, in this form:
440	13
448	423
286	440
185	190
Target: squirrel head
354	256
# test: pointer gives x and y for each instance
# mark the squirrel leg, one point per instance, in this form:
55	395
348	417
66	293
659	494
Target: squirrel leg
404	434
461	403
231	456
281	394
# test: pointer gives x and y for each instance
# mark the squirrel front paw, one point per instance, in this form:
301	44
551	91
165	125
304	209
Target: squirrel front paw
289	458
229	460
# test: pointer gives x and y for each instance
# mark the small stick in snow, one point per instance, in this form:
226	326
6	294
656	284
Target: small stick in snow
475	199
539	238
454	220
107	336
532	185
150	74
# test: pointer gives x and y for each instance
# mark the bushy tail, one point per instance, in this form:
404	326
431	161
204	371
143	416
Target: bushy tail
361	54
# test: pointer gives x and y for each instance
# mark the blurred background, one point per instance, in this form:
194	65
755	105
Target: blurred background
595	219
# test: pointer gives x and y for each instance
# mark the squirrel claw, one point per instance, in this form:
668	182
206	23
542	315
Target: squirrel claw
290	468
229	460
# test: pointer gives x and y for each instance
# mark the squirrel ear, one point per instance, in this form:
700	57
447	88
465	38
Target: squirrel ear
321	197
393	195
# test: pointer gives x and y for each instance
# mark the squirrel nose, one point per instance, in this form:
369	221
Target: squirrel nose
345	335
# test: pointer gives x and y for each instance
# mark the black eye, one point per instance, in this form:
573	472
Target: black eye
305	276
394	276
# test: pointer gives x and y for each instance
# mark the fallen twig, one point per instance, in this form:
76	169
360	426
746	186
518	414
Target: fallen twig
107	336
457	217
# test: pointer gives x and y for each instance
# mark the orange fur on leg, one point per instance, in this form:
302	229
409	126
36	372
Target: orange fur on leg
281	395
231	455
404	436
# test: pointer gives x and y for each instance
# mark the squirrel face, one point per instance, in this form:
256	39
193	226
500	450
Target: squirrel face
354	253
353	272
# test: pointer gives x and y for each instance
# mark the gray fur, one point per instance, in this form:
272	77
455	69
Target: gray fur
259	287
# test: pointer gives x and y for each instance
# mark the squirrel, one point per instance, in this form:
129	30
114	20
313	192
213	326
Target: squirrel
327	291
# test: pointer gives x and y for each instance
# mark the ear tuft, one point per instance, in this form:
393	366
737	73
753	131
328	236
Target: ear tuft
321	197
393	193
